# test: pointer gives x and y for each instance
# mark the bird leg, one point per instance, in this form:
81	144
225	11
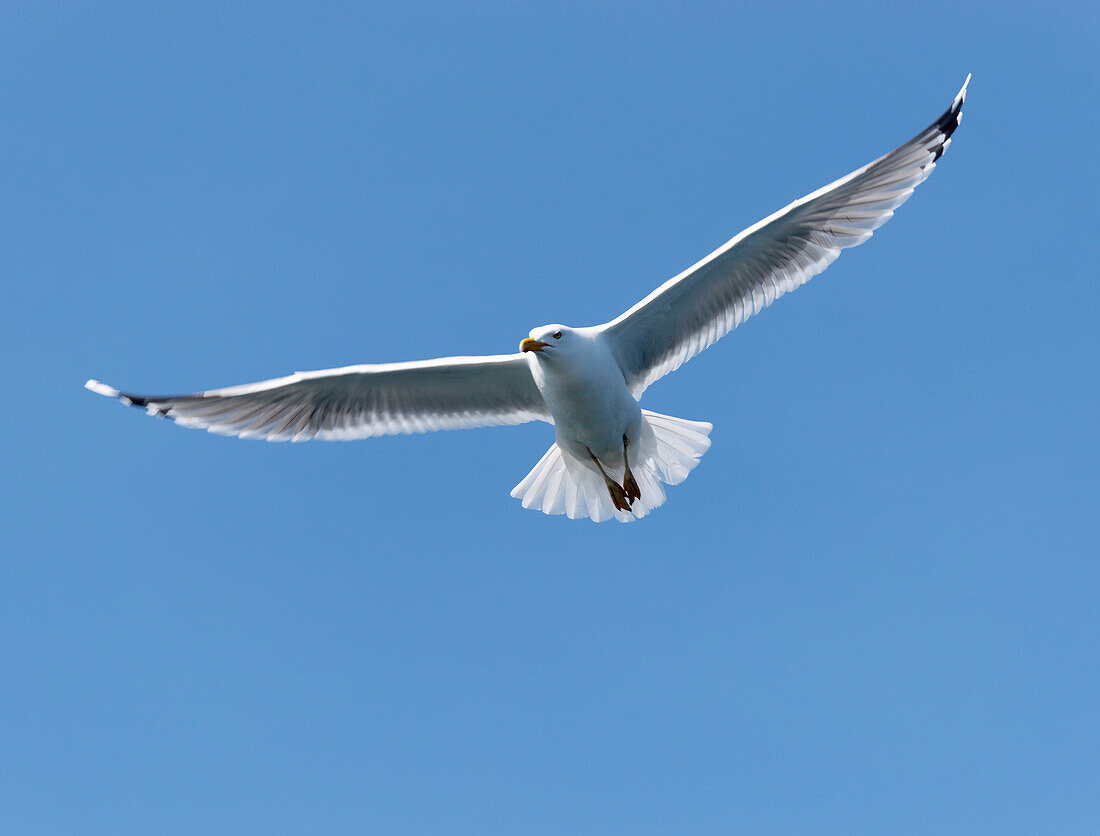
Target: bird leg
630	487
618	495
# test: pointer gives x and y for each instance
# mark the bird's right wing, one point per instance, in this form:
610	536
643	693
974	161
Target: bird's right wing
782	252
360	401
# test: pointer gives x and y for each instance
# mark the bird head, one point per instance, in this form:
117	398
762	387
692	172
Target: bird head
547	339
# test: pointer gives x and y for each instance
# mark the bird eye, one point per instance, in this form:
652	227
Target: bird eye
557	335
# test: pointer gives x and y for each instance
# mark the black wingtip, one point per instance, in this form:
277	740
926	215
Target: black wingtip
127	398
950	120
143	402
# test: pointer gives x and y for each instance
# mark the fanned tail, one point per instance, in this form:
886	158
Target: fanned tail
680	445
670	448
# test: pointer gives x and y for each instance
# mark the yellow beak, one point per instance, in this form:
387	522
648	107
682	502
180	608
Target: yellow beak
529	344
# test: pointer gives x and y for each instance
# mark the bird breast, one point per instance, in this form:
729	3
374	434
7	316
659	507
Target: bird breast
589	400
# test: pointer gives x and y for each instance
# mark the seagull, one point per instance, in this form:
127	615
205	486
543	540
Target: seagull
610	458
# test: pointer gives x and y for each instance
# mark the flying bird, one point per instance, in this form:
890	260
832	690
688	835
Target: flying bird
610	457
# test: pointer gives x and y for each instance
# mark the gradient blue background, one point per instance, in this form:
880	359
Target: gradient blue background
872	608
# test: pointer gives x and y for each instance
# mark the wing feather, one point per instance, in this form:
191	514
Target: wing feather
359	401
695	309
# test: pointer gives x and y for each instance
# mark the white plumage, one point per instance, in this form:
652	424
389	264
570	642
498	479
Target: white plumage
451	393
610	457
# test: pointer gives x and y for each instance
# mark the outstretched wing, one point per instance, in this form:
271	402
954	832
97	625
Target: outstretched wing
695	309
360	401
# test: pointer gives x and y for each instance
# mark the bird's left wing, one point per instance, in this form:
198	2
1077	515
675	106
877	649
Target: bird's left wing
360	401
693	310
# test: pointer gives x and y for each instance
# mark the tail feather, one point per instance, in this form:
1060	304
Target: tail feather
680	445
559	484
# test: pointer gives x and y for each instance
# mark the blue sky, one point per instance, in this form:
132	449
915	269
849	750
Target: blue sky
872	607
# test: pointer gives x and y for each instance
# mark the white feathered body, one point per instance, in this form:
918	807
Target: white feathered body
592	407
587	396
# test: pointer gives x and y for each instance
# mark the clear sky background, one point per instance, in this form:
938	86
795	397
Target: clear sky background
872	607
